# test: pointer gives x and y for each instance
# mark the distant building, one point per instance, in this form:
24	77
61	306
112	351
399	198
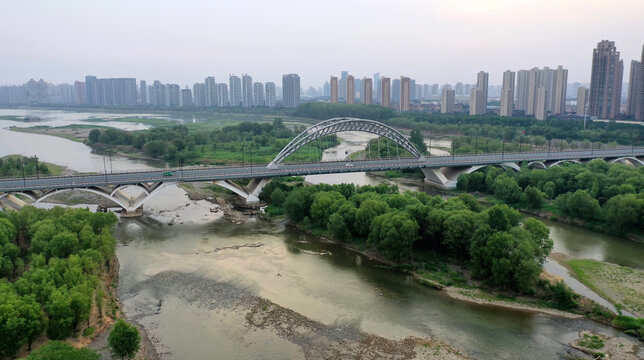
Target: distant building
210	87
199	94
327	89
350	90
90	89
448	101
343	85
605	81
222	95
291	90
159	94
143	92
186	98
247	90
385	91
522	87
395	91
477	101
540	107
635	103
459	88
334	89
79	92
235	98
559	93
507	93
258	94
174	95
482	83
270	94
582	100
405	93
367	91
377	84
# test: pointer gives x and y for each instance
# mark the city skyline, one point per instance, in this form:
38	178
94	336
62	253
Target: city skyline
62	53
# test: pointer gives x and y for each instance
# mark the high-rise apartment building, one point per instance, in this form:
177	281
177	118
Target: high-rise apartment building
334	89
143	92
605	81
376	84
199	94
174	95
448	101
247	90
90	89
351	93
327	89
559	93
159	96
79	93
235	90
291	90
186	97
395	91
270	93
258	94
222	94
507	93
385	91
367	91
405	93
522	87
540	107
477	101
482	83
635	103
459	88
582	100
343	85
211	92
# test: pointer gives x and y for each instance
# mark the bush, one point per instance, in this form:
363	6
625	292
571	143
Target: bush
124	340
56	350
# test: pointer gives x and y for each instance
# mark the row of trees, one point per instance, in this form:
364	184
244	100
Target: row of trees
493	127
14	166
609	193
52	261
497	247
233	143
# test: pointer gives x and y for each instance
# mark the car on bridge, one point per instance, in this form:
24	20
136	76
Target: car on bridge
167	173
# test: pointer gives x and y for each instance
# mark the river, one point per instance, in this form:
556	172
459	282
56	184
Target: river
188	292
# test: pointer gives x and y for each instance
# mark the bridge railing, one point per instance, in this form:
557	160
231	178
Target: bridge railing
584	152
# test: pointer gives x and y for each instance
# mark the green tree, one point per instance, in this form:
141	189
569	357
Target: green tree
625	212
416	138
533	197
506	189
278	197
394	234
124	340
94	135
365	214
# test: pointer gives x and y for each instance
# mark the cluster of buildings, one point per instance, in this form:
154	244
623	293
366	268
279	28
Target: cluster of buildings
239	91
538	92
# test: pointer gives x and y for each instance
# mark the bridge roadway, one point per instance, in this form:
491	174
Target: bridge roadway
191	174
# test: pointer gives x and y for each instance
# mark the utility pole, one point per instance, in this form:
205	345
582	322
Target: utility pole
22	165
476	145
37	175
110	161
104	169
503	149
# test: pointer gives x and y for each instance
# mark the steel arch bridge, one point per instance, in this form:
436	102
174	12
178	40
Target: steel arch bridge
341	124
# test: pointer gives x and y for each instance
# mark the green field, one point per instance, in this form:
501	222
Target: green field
618	284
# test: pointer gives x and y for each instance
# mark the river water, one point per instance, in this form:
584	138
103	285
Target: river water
186	284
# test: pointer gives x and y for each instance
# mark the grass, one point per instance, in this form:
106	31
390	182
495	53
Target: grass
617	284
591	342
89	331
43	130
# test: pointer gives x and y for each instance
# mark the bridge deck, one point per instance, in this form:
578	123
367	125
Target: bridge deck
259	171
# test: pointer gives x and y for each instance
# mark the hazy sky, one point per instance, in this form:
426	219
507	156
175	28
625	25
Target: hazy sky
433	41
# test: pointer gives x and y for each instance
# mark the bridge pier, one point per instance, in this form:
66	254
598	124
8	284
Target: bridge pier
132	213
250	193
